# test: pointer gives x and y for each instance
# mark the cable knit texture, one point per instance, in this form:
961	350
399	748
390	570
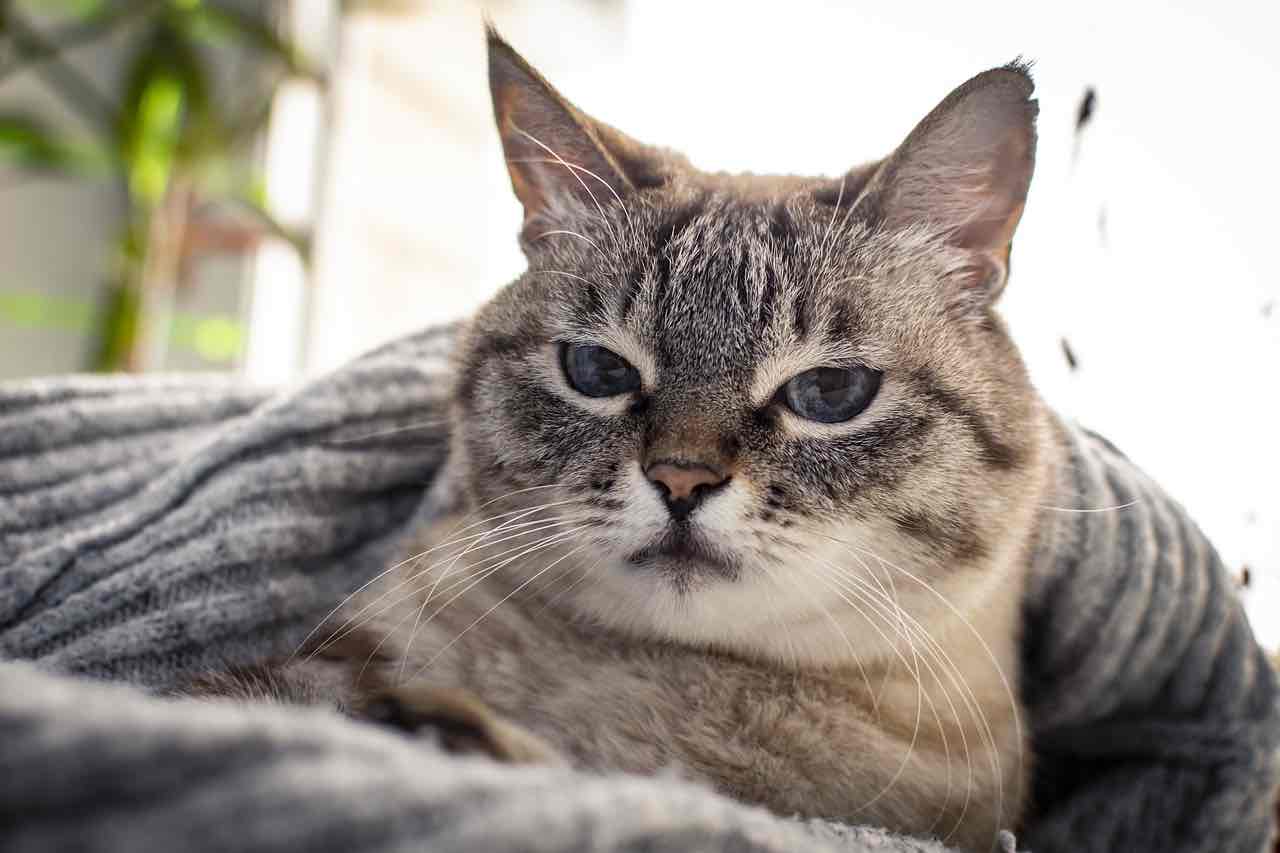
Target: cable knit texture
150	527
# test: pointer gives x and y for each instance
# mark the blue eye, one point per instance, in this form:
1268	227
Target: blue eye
597	372
831	394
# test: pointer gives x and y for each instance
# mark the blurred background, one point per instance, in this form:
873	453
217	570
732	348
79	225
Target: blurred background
271	188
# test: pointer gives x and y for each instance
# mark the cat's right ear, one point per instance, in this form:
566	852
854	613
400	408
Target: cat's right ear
556	154
963	173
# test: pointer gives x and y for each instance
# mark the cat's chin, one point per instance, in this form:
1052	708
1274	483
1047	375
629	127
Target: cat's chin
684	560
712	605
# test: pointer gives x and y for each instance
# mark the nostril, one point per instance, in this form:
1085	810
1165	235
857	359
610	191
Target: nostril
703	490
663	491
683	485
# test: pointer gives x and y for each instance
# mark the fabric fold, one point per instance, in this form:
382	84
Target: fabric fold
150	527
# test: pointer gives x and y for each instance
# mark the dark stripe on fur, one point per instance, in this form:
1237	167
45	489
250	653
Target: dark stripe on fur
995	452
769	297
666	235
800	313
489	346
953	536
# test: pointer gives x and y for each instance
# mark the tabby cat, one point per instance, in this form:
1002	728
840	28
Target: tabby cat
742	480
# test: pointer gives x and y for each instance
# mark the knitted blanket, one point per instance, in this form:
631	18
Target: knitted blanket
150	527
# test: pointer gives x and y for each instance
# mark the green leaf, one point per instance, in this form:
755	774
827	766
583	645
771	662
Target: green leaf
65	8
36	310
217	338
167	106
28	143
158	119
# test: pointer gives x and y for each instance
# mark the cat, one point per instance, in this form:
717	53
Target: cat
742	481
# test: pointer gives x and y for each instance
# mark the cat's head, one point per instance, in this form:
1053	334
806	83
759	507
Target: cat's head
739	399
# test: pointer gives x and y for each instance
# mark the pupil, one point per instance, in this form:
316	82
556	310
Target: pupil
834	385
607	366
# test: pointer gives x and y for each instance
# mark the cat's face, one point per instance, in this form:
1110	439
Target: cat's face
747	404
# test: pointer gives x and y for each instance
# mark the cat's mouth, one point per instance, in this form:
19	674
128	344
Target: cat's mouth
681	551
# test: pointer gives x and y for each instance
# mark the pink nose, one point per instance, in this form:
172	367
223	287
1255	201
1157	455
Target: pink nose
681	480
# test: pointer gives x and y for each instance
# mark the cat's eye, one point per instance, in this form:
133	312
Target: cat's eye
596	371
831	394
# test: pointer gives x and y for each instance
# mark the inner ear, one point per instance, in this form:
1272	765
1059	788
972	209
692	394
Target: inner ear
555	153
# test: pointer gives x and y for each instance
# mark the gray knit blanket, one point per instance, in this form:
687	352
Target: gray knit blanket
151	527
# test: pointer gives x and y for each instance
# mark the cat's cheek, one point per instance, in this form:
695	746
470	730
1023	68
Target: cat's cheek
723	517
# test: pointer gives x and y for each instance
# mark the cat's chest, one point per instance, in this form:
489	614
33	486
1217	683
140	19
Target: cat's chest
616	699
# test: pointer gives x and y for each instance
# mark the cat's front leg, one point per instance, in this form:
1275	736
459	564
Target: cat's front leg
460	721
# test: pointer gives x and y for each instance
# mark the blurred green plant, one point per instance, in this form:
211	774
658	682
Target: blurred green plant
174	148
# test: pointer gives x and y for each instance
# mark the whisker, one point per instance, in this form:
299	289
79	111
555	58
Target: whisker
394	431
575	168
776	617
574	276
920	694
915	655
1115	508
562	593
502	601
354	622
866	594
987	732
588	240
571	167
431	594
547	542
550	541
875	704
455	530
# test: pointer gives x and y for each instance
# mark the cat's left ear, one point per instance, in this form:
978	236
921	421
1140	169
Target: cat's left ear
964	171
555	153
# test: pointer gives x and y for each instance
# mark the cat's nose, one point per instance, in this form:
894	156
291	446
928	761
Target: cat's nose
684	485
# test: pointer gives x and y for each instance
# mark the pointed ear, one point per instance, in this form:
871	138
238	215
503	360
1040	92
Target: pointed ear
965	171
556	153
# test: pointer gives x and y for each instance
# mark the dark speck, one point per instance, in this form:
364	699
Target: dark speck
1085	111
1069	354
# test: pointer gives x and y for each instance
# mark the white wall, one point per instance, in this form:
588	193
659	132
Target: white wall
1165	310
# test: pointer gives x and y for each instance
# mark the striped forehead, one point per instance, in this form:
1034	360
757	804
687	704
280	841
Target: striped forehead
718	288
